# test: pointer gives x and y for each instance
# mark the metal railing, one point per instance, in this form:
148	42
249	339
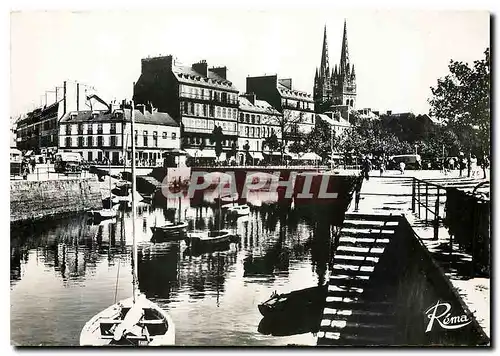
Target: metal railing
429	197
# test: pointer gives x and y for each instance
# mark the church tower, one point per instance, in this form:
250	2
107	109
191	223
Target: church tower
338	86
344	92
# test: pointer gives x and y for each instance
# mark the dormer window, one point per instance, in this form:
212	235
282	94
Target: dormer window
73	115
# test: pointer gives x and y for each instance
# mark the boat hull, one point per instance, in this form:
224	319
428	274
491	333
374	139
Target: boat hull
169	232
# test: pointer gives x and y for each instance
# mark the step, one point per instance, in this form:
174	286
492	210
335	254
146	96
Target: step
361	250
371	224
364	241
356	259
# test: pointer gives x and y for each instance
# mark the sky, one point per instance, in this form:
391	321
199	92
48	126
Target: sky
398	54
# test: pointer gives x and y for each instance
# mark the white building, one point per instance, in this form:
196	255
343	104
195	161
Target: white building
106	135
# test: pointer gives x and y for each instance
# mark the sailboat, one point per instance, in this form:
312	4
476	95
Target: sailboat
108	213
170	230
135	321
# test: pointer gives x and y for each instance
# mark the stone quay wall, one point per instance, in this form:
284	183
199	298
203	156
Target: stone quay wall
36	200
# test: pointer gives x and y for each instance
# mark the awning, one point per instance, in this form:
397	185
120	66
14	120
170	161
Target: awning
196	153
29	153
15	151
222	157
176	152
311	156
257	155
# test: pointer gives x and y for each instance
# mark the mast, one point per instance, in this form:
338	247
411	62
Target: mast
109	176
134	247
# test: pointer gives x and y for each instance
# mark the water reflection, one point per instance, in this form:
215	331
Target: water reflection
277	248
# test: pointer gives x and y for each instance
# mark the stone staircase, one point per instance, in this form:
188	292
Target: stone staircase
354	313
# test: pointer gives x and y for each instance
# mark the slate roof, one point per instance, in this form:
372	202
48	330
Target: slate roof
260	106
155	118
294	94
188	75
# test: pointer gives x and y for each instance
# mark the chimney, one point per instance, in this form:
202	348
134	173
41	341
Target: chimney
250	97
389	112
77	96
141	108
201	68
220	71
156	64
286	82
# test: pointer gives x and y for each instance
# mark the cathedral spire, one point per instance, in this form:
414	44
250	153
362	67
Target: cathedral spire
344	55
325	67
353	73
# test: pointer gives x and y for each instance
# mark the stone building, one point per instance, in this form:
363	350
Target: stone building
199	98
296	107
257	121
38	129
105	135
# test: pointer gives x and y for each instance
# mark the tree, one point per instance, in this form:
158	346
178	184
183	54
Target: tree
462	100
288	126
217	138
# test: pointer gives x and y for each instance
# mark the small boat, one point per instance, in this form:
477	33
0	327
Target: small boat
209	238
239	210
169	231
103	214
308	298
129	324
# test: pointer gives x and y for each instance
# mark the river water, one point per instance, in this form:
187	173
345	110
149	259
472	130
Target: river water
65	271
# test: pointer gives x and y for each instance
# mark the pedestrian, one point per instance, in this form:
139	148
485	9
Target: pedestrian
367	166
451	164
402	166
24	169
382	167
462	163
33	164
473	166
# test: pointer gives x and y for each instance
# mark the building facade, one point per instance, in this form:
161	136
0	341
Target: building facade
38	130
335	86
258	120
105	136
197	97
296	107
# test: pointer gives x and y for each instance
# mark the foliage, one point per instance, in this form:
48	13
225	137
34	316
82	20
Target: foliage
217	138
271	142
462	100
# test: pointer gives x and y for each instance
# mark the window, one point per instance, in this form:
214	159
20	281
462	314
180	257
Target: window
205	110
90	142
155	138
235	114
112	130
218	111
174	135
186	107
258	119
253	119
112	141
100	141
258	131
136	138
164	135
80	140
224	113
246	130
80	129
247	118
192	109
99	128
145	136
251	132
224	97
212	111
89	129
68	129
242	117
68	142
202	93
